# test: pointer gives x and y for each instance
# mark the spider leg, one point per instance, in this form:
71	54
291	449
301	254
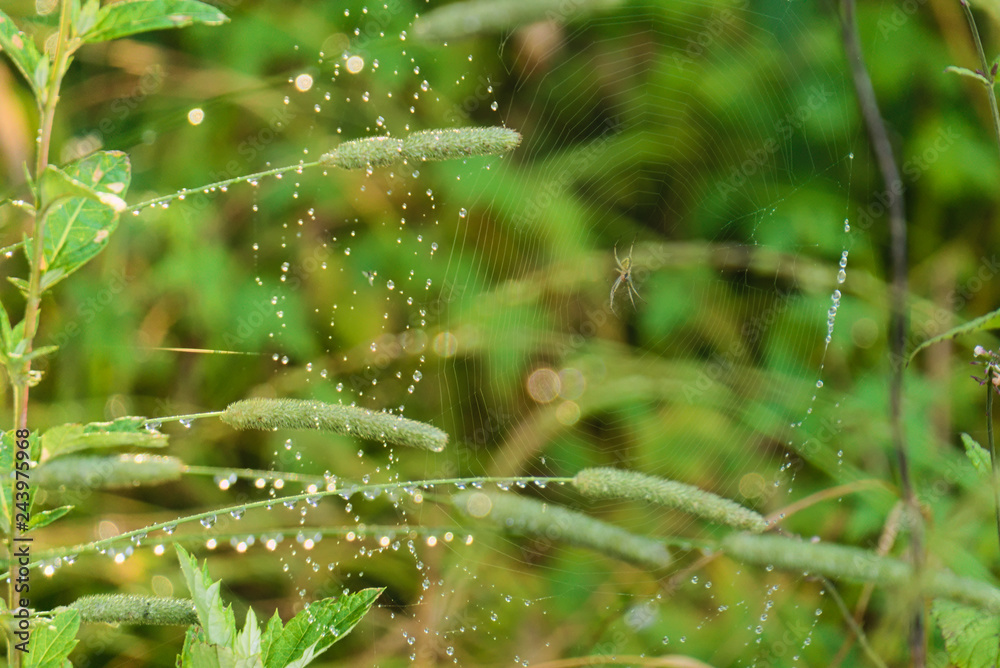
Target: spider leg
617	261
633	290
614	288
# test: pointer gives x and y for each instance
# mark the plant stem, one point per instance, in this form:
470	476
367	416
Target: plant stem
986	71
248	178
21	383
879	137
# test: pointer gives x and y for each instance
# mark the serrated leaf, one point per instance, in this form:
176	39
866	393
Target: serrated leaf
52	641
977	454
67	438
247	643
201	655
78	228
218	621
989	321
320	625
971	637
966	72
128	18
47	517
21	50
307	657
271	633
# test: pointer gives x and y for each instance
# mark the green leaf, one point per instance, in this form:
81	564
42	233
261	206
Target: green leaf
219	622
971	637
6	464
128	18
8	446
977	454
52	641
313	630
77	228
6	333
20	284
989	321
56	183
271	633
197	653
20	49
87	17
966	72
247	643
47	517
128	431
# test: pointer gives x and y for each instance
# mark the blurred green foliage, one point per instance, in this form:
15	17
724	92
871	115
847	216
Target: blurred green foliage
724	140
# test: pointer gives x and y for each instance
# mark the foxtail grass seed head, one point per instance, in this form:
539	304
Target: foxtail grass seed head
272	414
528	517
465	19
103	472
459	143
852	564
422	146
131	609
364	153
610	483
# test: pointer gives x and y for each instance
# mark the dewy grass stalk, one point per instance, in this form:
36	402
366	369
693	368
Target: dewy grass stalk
108	472
610	483
426	145
271	414
528	517
464	19
131	609
851	564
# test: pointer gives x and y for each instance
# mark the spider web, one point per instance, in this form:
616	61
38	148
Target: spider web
711	144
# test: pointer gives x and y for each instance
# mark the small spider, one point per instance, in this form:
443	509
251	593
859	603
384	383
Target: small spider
624	276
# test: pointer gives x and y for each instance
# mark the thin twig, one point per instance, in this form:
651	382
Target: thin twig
879	138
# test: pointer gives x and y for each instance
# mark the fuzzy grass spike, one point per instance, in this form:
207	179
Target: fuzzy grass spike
610	483
131	609
271	414
426	145
528	517
852	564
